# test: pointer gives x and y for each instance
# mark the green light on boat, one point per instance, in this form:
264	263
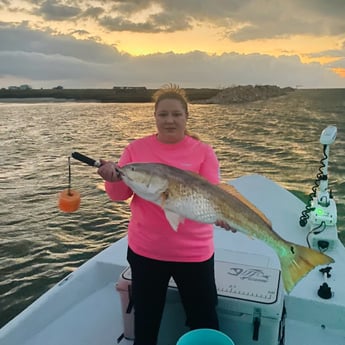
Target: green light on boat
320	211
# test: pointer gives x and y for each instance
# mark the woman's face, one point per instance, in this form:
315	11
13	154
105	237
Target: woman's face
171	119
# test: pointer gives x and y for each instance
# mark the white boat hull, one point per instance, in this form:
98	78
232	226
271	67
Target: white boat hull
85	307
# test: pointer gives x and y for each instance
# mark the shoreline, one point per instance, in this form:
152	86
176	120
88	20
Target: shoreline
37	100
236	94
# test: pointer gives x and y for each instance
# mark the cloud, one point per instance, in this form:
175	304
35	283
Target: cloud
53	10
43	57
198	68
162	22
330	52
337	54
4	3
23	39
93	12
286	19
337	64
45	60
240	20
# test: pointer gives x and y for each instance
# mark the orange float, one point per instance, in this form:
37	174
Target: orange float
69	200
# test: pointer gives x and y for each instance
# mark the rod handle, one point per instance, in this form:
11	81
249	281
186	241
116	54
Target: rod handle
85	159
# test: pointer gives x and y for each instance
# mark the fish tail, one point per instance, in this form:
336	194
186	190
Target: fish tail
300	261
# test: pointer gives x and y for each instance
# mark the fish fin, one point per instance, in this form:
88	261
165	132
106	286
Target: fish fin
298	262
174	219
233	191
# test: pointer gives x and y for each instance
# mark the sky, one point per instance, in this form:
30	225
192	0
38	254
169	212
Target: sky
192	43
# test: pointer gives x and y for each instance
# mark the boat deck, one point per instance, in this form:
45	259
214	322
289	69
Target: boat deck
85	308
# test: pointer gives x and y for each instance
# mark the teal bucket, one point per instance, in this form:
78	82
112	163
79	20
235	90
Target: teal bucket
205	336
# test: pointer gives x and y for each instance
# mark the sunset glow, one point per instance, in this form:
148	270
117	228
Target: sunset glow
134	42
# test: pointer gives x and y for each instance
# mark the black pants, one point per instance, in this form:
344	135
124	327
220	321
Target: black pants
150	279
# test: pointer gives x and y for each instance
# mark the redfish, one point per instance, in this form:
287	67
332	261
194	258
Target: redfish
183	194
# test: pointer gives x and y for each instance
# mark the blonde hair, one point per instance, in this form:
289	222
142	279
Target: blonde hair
173	91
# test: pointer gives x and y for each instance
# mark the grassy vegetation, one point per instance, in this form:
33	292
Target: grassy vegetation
102	95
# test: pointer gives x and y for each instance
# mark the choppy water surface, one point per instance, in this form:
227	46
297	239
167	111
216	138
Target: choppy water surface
39	245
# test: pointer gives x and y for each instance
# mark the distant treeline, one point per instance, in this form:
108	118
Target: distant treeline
235	94
131	95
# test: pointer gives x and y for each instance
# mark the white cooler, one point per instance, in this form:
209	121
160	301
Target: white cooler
250	305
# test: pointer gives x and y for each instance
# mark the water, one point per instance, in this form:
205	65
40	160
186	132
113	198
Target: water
39	245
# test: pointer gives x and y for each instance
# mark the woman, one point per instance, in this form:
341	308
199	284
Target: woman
155	251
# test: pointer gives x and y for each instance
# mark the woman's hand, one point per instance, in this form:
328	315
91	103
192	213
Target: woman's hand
224	225
108	171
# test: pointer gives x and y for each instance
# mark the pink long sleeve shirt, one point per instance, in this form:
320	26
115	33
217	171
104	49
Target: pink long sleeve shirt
149	233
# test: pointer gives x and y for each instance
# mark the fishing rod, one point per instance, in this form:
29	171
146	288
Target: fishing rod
85	159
